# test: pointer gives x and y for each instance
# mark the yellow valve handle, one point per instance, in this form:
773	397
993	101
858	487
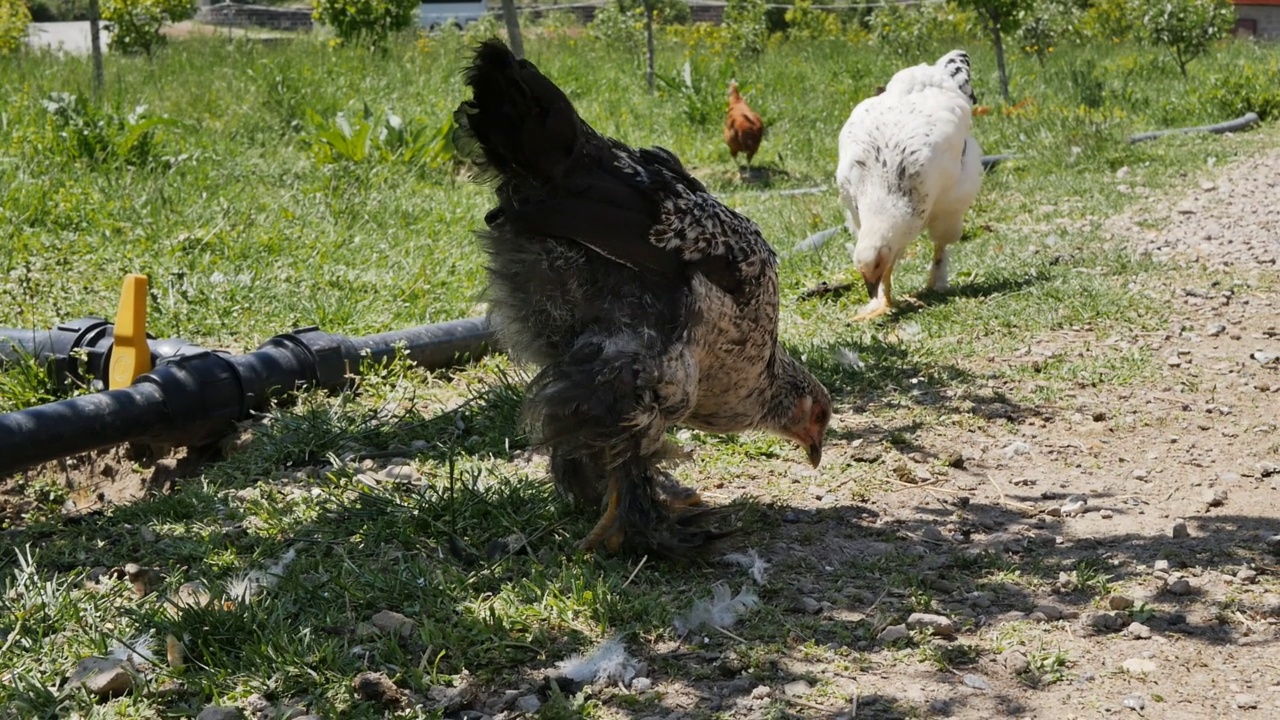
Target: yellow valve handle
130	353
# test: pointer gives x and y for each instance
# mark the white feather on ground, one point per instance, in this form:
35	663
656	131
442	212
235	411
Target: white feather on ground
909	162
609	662
718	611
752	561
243	588
136	652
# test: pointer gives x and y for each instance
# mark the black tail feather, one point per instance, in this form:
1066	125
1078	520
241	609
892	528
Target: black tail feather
518	121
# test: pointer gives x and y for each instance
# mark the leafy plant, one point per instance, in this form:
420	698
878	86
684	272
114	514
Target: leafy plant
135	24
1186	28
87	132
618	27
703	99
1110	21
908	30
368	137
14	19
366	21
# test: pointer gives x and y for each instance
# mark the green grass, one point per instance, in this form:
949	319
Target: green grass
244	233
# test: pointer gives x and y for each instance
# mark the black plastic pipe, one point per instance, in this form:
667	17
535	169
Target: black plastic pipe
193	398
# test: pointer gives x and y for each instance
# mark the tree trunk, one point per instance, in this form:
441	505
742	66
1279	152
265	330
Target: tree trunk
513	28
998	41
95	43
648	38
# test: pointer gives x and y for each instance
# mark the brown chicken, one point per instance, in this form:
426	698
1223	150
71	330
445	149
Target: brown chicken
743	128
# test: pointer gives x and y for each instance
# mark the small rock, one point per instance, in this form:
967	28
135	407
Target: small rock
1108	622
259	708
218	712
1179	531
893	633
1139	666
147	535
809	605
1140	474
1215	329
144	579
103	677
1215	497
1160	566
1106	514
1246	702
977	682
528	703
1134	702
391	622
760	692
1267	468
1180	586
1015	661
796	688
402	473
641	684
1119	602
1247	575
939	625
1074	505
1173	361
1138	631
1016	448
378	688
1273	542
1050	612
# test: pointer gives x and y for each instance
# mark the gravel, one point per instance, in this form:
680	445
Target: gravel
1233	224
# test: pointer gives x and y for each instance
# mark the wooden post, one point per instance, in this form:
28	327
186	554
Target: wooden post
95	45
513	28
648	37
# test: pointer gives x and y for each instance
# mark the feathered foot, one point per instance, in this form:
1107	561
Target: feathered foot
648	513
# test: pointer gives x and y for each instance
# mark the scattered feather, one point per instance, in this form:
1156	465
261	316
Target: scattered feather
243	588
751	561
718	611
136	652
609	662
849	360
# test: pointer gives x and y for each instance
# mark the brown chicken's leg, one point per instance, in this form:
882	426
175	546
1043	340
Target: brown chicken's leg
607	531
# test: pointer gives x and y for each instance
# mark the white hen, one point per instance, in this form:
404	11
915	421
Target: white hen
908	162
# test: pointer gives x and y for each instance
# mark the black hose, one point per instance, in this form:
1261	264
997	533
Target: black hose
194	396
1244	122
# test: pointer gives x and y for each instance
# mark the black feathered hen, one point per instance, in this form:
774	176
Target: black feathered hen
645	301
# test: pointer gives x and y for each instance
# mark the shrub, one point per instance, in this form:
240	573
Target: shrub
618	27
805	23
1110	21
135	24
745	22
1001	19
673	12
911	30
369	22
14	19
1249	87
1186	28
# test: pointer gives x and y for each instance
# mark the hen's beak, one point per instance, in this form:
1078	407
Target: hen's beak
815	452
873	287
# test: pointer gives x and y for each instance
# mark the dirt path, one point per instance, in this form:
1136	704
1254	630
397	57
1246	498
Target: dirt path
1116	553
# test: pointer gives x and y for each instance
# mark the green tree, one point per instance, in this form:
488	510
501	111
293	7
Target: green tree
1187	27
14	19
135	24
1001	18
367	21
